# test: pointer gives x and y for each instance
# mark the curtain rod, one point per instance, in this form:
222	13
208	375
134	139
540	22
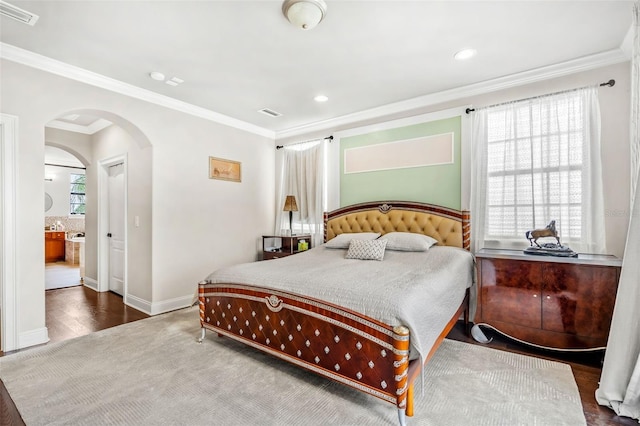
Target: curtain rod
310	140
68	167
609	83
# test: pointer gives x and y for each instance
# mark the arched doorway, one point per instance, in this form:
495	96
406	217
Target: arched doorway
131	139
64	216
113	140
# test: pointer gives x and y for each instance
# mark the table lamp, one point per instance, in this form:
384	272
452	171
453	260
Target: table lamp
290	206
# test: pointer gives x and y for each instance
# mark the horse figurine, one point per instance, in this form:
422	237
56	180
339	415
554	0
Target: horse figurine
548	231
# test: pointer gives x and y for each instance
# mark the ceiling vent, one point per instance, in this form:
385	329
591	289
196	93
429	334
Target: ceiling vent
18	14
270	112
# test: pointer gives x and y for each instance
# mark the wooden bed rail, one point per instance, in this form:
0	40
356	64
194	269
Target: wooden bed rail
329	340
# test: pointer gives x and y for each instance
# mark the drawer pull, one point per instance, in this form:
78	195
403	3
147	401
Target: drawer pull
535	295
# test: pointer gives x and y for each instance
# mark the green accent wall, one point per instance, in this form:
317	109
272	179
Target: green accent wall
439	184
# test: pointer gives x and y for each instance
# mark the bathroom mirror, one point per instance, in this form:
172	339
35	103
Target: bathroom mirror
48	202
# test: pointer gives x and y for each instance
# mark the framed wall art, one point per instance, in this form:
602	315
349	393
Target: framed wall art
222	169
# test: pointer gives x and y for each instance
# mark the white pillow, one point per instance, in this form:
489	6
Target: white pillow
342	241
366	249
407	241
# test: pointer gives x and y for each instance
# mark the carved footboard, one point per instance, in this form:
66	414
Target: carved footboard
337	343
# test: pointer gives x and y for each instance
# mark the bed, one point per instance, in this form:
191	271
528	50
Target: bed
368	324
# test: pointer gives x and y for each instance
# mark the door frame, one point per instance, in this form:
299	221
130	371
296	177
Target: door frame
8	258
103	223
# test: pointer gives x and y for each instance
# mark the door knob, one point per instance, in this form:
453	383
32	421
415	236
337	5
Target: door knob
109	235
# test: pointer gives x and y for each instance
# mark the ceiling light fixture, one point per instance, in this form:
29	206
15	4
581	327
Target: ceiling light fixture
158	76
465	54
321	98
304	14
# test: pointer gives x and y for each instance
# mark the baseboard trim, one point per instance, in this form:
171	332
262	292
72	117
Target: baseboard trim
155	308
139	304
91	283
171	304
34	337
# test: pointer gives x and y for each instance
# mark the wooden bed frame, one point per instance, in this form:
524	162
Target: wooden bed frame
330	340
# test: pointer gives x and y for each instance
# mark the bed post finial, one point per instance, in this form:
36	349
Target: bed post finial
326	220
201	302
401	369
466	230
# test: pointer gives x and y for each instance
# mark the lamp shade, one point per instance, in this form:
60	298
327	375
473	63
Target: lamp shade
290	204
304	14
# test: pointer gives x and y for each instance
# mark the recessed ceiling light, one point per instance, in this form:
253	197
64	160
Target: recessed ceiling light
465	54
157	76
321	98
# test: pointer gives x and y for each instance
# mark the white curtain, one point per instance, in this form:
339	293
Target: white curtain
620	381
635	101
538	160
303	177
478	204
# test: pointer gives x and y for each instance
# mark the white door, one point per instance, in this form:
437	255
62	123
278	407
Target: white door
116	228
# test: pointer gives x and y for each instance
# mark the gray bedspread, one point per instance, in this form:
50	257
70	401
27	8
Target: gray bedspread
420	290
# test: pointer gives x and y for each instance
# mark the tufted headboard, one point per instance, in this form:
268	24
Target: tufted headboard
450	227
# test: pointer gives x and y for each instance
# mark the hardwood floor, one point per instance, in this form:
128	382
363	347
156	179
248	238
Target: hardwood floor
76	311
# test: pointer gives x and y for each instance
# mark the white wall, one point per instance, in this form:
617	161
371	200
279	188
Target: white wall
614	106
108	143
198	224
78	144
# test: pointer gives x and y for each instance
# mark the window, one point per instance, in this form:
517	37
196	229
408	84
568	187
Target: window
540	163
78	189
304	176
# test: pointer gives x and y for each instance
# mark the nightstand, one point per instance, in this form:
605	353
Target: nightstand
275	246
560	303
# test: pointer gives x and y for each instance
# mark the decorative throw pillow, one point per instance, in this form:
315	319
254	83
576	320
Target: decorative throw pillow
342	241
407	241
366	249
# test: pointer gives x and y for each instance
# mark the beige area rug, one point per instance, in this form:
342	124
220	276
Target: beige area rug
152	372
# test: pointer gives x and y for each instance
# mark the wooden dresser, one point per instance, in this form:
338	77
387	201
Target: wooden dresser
553	302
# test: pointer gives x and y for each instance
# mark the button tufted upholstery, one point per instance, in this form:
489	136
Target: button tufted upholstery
441	224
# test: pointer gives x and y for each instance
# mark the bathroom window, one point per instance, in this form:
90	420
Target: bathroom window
78	185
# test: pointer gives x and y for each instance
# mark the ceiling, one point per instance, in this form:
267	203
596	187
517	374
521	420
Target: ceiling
237	57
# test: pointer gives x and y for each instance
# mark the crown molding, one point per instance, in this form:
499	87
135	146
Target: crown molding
627	43
53	66
586	63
